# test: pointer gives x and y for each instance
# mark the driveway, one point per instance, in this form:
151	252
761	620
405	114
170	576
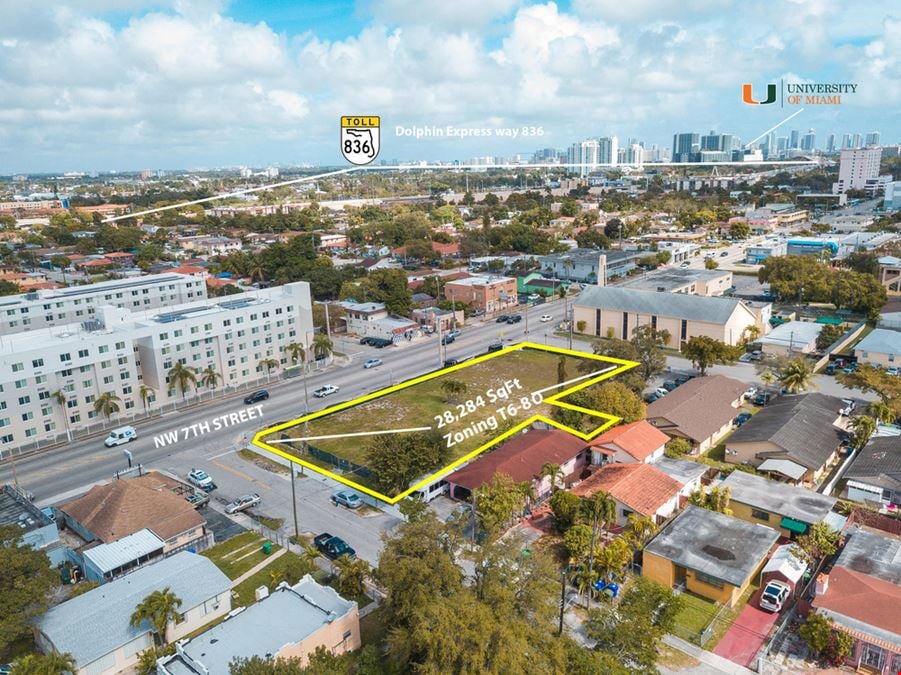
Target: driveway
743	640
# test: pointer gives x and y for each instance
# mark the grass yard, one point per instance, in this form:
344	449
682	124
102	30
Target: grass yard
278	571
239	554
673	659
727	618
695	615
418	405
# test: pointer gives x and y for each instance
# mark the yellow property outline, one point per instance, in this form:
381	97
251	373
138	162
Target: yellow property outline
610	420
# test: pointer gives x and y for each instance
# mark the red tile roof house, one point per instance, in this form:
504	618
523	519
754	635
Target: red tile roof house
635	442
522	458
120	257
637	488
862	595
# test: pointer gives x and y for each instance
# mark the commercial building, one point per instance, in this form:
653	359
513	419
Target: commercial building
372	319
209	245
616	312
680	280
755	254
61	306
791	339
95	627
588	265
118	351
708	553
489	294
881	347
890	273
856	167
686	147
787	508
291	622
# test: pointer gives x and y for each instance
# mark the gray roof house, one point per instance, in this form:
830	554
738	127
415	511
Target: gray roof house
875	474
804	430
291	622
94	627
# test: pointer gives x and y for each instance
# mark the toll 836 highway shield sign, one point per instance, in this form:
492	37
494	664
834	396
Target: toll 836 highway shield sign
360	138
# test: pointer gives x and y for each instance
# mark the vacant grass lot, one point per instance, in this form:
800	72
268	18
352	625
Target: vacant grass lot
417	406
239	554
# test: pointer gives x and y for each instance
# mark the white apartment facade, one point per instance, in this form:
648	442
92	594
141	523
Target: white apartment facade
856	167
121	352
63	306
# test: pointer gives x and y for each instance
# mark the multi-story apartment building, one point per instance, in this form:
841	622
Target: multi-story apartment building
63	306
856	167
50	378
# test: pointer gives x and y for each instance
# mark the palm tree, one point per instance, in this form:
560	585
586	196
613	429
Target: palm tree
59	396
159	608
296	352
639	532
568	267
600	508
552	471
54	663
146	664
613	557
183	377
107	404
352	575
452	389
210	378
322	347
881	412
268	363
145	393
767	377
796	375
309	555
863	427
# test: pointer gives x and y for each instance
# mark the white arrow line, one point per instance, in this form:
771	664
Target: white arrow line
351	435
797	112
575	379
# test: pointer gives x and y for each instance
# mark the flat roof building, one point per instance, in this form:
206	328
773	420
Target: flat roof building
62	306
680	280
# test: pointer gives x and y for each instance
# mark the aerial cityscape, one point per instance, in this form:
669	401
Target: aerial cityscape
348	338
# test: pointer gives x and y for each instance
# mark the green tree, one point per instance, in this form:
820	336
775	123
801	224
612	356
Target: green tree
870	379
739	230
26	582
107	404
577	540
389	287
567	509
592	238
268	363
704	351
819	542
322	347
649	344
824	640
554	473
320	662
613	398
713	499
828	335
9	288
677	447
497	502
398	459
881	412
160	608
145	393
210	377
710	264
296	352
796	375
53	663
864	426
352	575
599	509
639	531
453	389
182	377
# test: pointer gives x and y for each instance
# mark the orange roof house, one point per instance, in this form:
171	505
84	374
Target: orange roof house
636	488
635	442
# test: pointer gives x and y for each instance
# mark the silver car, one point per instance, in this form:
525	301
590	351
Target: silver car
243	502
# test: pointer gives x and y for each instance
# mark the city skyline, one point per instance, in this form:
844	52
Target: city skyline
242	83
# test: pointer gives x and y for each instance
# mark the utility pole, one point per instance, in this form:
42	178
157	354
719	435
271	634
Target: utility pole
294	506
562	599
440	360
328	332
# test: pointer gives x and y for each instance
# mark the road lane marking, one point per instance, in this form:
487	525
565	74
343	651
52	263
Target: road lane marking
241	474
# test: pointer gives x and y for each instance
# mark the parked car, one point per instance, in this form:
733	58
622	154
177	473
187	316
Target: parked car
762	398
200	478
455	334
891	370
197	500
120	436
495	347
347	498
682	379
501	319
447	339
724	254
477	312
256	397
327	390
545	318
774	596
670	385
830	369
366	341
372	363
380	343
849	405
516	318
243	502
742	418
750	392
333	547
850	368
685	264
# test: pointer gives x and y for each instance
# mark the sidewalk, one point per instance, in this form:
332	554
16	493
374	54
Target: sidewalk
710	661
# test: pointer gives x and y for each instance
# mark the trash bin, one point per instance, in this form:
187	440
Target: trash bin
267	547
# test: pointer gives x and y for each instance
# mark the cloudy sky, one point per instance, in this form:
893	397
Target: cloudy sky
132	84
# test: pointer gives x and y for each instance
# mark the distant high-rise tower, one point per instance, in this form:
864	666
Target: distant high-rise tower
873	138
585	153
856	141
795	137
685	147
830	143
846	141
608	150
809	142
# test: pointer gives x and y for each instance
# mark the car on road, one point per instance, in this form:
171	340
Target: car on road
380	343
200	478
477	313
724	254
243	502
762	398
120	436
516	318
347	498
774	595
333	547
545	318
501	319
685	264
372	363
892	370
447	339
742	418
495	347
326	390
455	334
256	397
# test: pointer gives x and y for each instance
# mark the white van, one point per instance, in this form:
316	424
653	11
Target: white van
120	436
429	492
